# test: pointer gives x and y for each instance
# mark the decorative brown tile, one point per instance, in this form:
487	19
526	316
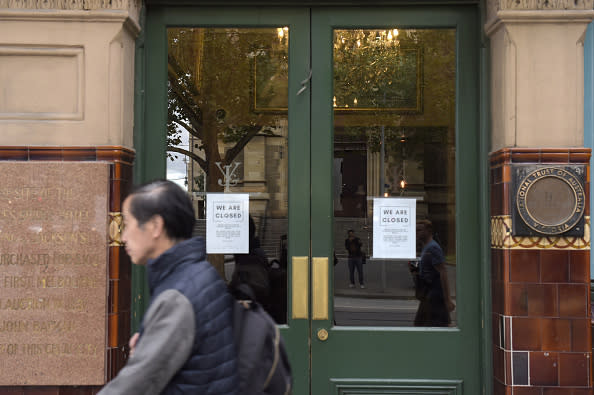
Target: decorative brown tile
125	265
506	264
497	297
581	340
113	330
496	175
79	154
579	267
554	266
113	299
574	369
45	153
114	262
496	264
525	334
544	368
582	391
40	390
542	300
499	364
526	391
507	366
524	266
506	199
496	158
496	199
506	174
555	334
525	155
579	155
11	390
117	171
516	301
124	295
76	390
14	153
557	391
115	154
573	300
554	157
115	199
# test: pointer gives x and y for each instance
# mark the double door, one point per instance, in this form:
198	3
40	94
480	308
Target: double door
318	114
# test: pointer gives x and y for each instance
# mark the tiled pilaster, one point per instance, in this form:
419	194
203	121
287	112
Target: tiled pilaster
542	342
119	269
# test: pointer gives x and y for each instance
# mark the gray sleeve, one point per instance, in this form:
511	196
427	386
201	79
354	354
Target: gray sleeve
163	348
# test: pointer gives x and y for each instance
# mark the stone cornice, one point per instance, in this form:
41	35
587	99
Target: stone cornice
537	16
494	6
53	15
44	7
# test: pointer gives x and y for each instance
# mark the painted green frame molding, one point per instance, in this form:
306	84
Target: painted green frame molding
485	206
139	287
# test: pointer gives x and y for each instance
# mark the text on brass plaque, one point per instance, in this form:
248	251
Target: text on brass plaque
549	200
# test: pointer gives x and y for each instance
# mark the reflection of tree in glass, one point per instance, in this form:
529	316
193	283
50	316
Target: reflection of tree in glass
376	69
209	93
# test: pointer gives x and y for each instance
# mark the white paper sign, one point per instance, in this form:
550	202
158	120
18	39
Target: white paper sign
227	223
394	228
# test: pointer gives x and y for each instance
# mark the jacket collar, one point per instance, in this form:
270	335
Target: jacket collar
190	251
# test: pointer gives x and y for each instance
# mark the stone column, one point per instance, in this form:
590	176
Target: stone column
66	108
540	283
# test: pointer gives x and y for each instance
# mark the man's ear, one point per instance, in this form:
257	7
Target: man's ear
157	226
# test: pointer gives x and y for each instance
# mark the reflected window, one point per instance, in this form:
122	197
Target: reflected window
227	132
394	136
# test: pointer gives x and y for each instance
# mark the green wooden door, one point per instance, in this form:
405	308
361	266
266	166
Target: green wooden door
389	359
331	355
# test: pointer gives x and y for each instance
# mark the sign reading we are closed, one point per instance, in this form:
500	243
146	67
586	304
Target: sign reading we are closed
394	228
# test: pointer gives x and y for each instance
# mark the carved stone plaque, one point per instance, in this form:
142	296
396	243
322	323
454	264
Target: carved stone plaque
549	200
53	272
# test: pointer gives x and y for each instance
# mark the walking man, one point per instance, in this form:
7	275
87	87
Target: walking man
185	344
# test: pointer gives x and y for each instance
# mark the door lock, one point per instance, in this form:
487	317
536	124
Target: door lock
323	334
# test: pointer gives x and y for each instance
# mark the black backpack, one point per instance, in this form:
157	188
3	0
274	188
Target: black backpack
262	358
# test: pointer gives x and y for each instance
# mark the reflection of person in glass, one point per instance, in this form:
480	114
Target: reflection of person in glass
432	281
353	246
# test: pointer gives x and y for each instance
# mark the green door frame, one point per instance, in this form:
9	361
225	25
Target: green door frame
151	93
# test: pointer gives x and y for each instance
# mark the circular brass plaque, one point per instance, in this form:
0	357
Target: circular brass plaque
550	200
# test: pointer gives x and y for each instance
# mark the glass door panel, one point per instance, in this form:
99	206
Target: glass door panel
394	101
227	131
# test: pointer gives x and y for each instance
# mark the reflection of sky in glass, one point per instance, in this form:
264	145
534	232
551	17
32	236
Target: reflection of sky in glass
176	169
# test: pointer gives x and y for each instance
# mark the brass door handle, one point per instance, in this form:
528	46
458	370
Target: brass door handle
300	287
320	288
